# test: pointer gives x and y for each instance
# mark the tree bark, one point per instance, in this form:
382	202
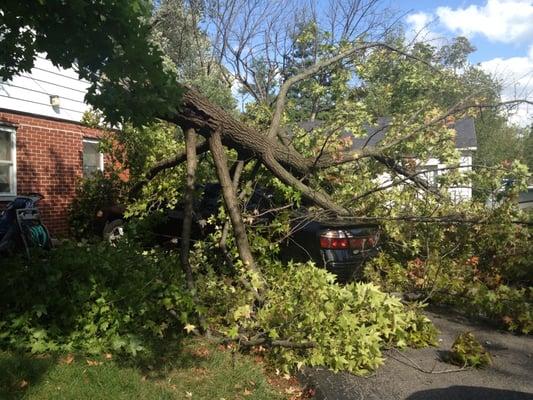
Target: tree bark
190	149
231	202
283	161
239	166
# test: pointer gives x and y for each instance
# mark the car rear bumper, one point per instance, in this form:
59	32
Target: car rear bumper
349	269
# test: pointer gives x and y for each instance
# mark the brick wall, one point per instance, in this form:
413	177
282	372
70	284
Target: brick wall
49	161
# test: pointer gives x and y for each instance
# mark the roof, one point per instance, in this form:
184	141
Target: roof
465	137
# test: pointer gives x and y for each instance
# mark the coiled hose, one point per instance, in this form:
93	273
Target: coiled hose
38	236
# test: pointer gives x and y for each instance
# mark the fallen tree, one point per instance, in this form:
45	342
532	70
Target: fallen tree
131	84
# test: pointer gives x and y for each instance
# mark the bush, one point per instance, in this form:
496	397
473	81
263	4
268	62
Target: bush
468	352
92	298
483	269
93	193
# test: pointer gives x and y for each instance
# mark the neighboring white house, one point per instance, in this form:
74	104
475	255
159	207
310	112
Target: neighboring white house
465	143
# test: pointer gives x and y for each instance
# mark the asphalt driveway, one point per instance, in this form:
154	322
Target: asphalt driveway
509	378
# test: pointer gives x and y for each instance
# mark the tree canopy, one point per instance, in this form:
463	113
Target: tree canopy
106	41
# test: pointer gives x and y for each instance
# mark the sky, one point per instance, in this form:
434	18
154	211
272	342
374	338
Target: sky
501	31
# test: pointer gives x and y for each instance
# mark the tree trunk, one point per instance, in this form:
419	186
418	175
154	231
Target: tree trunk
231	202
190	149
283	161
239	166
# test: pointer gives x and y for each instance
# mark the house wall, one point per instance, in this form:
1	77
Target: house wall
30	92
49	161
458	193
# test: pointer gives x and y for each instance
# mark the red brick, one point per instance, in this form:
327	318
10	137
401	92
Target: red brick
49	161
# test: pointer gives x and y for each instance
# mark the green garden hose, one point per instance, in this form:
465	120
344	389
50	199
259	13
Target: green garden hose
38	236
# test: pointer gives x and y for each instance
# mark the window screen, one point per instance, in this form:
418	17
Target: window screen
7	162
92	159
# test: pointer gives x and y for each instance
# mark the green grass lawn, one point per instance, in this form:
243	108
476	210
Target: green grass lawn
194	370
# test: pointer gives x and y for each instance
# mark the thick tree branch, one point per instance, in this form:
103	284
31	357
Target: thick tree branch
315	69
284	161
164	165
188	198
231	202
313	195
239	166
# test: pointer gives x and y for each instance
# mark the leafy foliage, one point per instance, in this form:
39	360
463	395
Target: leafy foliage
467	351
351	324
108	40
93	193
92	298
512	307
484	268
123	299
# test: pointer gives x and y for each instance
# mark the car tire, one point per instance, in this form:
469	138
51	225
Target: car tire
113	231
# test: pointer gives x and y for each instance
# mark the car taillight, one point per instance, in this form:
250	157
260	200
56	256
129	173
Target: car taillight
338	240
333	243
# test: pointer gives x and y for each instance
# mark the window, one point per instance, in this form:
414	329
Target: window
93	160
8	164
429	173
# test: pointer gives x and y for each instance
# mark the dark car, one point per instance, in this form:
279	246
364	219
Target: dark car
525	199
340	247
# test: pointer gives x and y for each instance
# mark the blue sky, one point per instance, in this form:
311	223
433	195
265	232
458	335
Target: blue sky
489	45
501	30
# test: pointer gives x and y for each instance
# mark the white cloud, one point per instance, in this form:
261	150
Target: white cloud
516	76
419	21
420	27
506	21
498	20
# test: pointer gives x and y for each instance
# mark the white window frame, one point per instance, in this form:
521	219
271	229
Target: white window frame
429	173
13	163
93	141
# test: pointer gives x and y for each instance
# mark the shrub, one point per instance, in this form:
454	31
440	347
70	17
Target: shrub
93	193
468	352
350	324
92	298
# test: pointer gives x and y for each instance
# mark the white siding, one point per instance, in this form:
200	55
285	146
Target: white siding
30	92
457	194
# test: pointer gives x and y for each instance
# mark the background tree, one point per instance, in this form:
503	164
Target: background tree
528	147
177	30
108	44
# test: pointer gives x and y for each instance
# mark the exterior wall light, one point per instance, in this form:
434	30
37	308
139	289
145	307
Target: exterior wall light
54	100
